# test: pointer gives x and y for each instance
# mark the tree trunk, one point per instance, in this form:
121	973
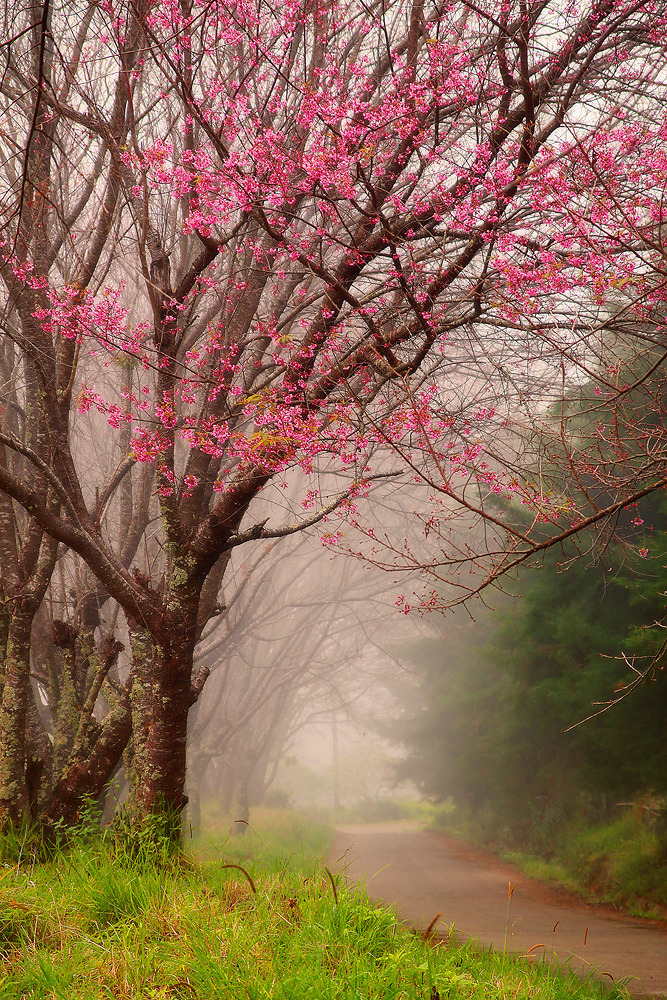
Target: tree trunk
144	656
39	759
13	712
241	808
160	764
67	709
90	770
161	702
194	797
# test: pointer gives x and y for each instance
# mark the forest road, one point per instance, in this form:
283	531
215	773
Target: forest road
424	873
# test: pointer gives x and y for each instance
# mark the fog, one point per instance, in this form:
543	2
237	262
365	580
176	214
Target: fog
302	664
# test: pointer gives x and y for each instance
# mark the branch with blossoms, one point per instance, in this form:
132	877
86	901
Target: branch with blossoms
269	248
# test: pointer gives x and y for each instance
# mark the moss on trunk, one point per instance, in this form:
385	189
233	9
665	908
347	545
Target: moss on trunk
13	711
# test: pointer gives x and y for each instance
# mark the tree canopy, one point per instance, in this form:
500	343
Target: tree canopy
258	262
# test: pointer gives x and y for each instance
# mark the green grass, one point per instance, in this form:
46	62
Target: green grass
620	863
97	922
551	872
272	835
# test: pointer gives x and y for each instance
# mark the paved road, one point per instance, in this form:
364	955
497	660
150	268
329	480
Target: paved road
424	873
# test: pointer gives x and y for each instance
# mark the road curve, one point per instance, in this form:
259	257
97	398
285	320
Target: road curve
424	873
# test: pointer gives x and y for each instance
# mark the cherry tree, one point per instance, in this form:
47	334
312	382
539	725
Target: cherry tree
293	227
582	312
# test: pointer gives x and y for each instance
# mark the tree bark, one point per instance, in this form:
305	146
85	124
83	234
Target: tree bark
161	700
13	713
39	760
89	771
160	759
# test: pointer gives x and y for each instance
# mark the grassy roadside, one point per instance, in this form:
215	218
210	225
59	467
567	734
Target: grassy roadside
101	921
272	835
618	864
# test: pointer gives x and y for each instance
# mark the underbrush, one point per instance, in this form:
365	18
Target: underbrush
620	863
132	926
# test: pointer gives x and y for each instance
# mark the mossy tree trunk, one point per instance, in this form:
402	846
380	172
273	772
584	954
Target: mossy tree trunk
17	787
161	697
91	766
13	713
39	760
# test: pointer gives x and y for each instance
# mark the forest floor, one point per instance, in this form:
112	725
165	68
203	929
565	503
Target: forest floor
424	873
